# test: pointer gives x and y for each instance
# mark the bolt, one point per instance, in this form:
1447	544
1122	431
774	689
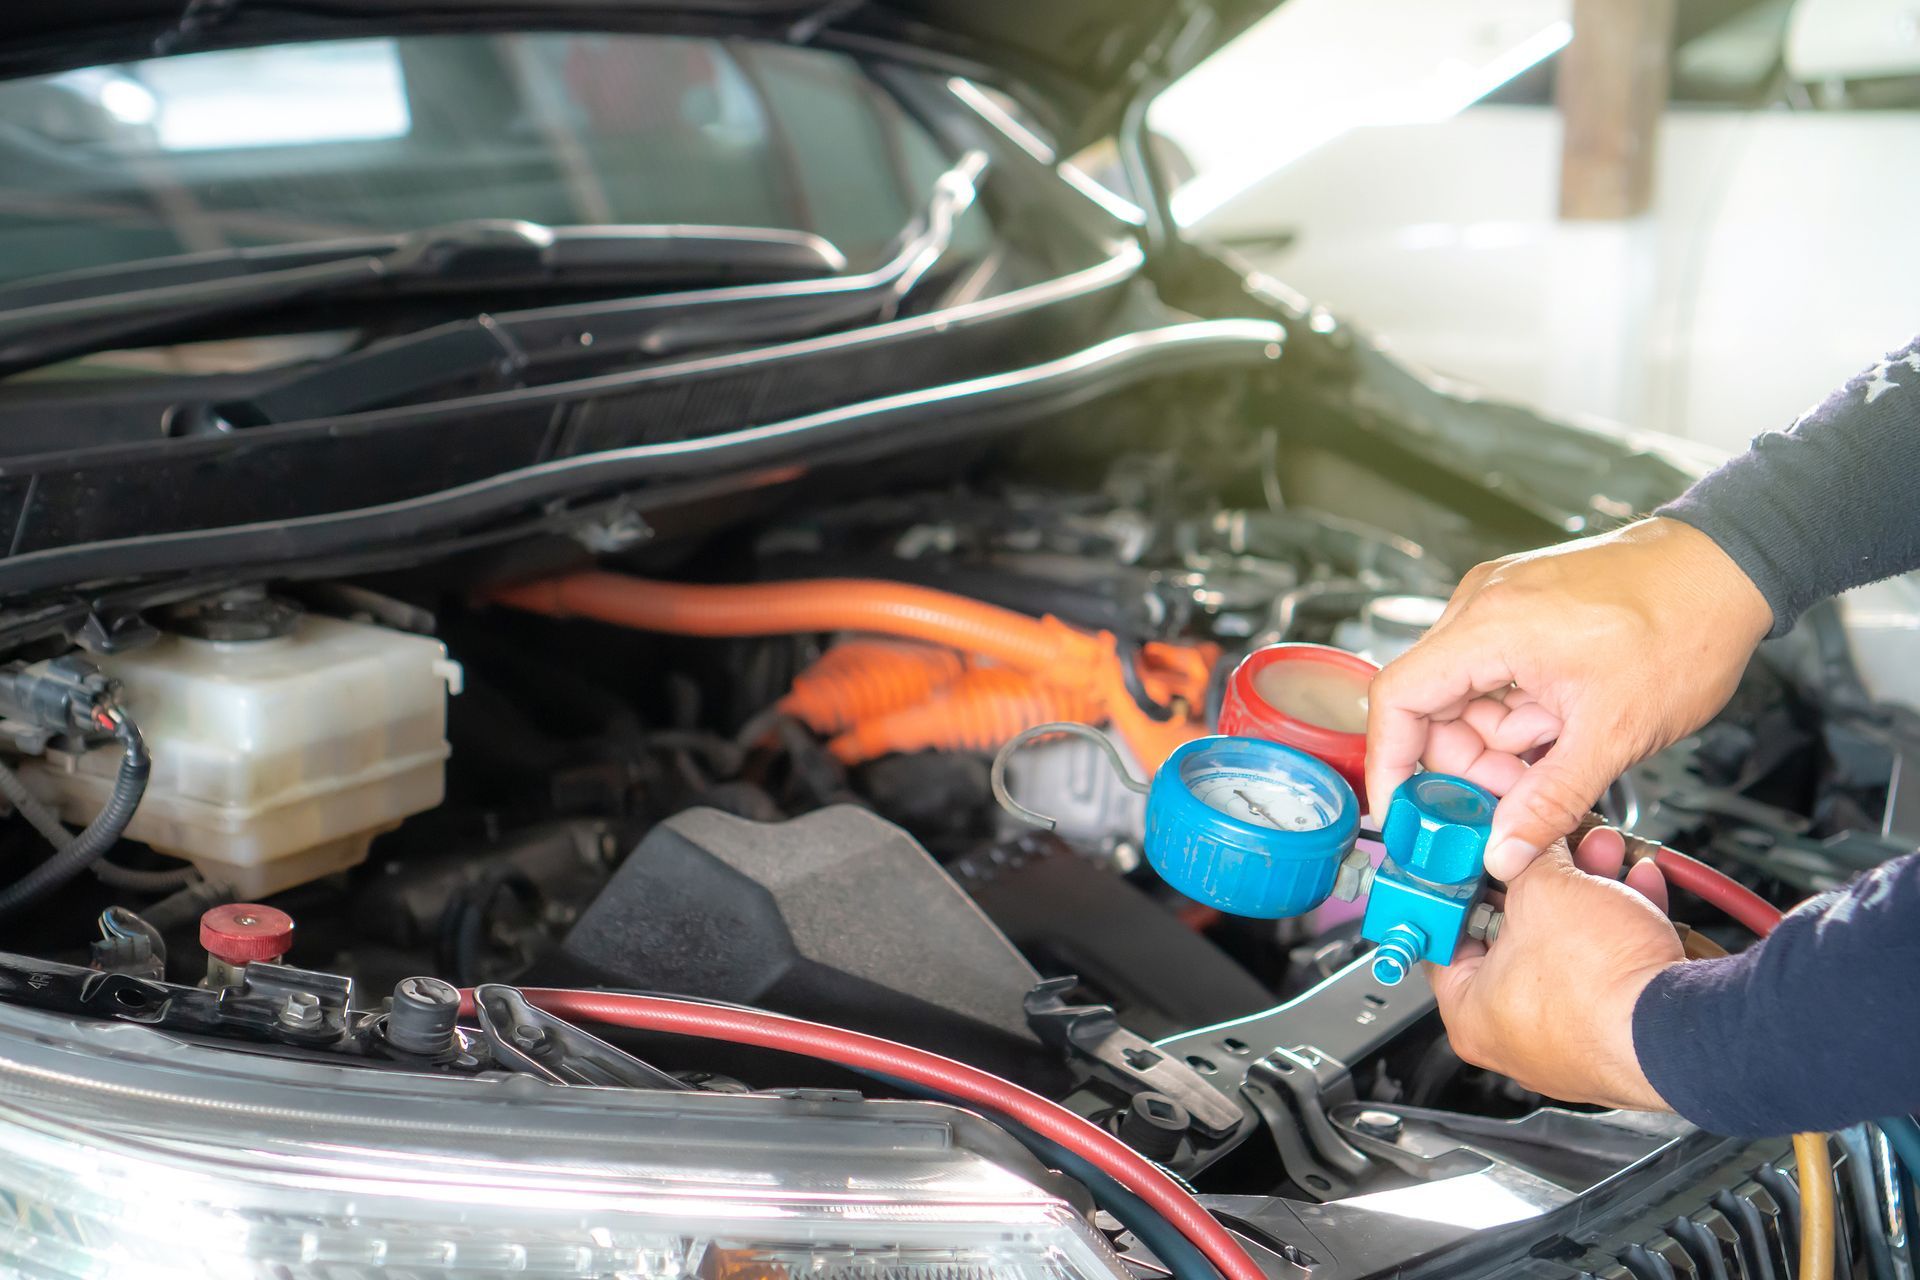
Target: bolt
1383	1125
1485	922
1397	953
301	1011
423	1015
1154	1125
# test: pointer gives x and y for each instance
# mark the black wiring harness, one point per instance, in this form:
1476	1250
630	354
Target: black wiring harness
71	696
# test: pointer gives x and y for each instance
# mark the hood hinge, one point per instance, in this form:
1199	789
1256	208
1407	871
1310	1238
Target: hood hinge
1189	28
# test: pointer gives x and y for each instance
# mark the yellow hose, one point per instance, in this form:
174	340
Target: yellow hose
1813	1161
1816	1205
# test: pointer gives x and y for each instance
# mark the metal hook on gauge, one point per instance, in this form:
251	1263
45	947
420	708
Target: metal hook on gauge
998	777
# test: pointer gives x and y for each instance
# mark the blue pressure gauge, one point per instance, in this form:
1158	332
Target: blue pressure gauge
1248	826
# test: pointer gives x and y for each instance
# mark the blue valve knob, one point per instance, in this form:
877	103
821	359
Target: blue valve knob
1437	827
1424	893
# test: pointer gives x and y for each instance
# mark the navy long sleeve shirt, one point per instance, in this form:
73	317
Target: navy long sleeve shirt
1819	1026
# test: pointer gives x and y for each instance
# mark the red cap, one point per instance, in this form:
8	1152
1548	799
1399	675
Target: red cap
1245	714
242	932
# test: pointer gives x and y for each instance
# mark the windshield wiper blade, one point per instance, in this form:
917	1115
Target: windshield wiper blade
504	349
52	318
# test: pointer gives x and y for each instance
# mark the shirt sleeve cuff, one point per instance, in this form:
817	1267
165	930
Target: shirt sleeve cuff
1685	1033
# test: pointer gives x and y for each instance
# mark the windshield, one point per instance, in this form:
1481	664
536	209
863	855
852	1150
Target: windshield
252	147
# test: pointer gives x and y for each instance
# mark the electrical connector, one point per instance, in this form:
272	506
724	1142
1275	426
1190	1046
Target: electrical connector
63	695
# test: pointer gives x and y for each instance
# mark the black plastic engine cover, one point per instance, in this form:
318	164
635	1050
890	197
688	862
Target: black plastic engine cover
838	916
1073	915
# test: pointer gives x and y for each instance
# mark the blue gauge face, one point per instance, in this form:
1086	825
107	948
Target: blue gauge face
1261	799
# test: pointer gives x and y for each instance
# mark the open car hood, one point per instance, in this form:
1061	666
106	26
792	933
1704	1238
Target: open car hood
1084	57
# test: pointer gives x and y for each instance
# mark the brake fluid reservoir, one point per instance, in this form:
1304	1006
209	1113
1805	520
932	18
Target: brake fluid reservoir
275	760
1307	696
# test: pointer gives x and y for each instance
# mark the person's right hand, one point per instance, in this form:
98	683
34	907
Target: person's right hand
1610	648
1550	1001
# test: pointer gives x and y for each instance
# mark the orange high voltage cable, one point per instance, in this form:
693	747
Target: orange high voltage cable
859	679
979	713
1173	675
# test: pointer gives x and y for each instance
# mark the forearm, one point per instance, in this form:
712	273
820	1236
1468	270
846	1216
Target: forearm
1827	504
1814	1029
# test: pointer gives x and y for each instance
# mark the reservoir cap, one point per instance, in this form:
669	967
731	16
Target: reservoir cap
243	932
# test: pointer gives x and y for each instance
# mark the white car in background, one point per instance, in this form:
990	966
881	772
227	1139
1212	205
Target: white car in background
1402	168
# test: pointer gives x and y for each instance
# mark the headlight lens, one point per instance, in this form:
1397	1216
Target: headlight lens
123	1153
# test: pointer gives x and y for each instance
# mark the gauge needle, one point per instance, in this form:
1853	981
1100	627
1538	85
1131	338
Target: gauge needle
1255	809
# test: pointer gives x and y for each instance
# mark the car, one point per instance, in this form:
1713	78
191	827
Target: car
558	555
1401	166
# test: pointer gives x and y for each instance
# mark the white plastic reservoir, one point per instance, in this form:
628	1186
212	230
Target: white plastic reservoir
275	761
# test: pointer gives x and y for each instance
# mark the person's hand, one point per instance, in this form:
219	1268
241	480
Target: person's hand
1550	1003
1610	648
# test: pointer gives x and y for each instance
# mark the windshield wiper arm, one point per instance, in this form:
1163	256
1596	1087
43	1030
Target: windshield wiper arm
52	318
501	349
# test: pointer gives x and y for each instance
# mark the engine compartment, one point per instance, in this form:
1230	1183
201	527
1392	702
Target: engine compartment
804	821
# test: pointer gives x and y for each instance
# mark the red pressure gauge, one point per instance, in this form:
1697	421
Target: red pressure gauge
1309	696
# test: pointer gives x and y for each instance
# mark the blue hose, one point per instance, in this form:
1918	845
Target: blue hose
1181	1255
1903	1135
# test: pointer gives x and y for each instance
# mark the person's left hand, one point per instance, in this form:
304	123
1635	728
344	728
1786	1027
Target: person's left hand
1550	1003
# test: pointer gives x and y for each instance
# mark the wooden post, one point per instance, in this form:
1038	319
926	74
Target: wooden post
1612	89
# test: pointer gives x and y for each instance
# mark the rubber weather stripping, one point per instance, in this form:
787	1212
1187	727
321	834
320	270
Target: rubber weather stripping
930	415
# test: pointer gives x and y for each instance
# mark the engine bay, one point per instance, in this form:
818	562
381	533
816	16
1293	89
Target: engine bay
378	814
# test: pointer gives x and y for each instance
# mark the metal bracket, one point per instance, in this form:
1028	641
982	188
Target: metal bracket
1292	1091
523	1038
1319	1036
1091	1035
300	1006
274	1002
613	527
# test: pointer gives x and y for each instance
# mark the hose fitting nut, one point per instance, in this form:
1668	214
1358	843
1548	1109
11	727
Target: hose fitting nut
1354	878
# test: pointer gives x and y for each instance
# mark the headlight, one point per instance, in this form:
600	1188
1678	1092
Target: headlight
124	1153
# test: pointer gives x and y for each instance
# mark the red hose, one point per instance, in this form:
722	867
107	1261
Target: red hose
917	1067
1732	897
